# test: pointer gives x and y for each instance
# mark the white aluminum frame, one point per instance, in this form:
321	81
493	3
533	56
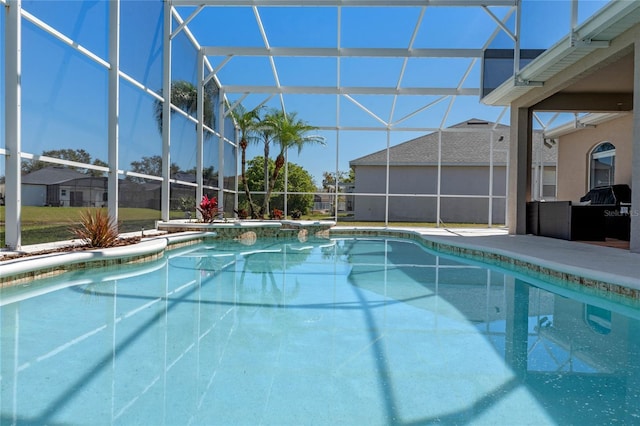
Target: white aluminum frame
13	136
581	40
340	52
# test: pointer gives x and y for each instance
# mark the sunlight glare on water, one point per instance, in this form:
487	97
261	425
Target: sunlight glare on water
340	331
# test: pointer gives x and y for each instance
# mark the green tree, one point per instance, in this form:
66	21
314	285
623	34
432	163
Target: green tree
209	175
289	131
266	133
152	166
329	178
299	180
247	122
77	155
97	162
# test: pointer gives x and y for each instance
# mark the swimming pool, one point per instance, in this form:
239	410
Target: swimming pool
326	331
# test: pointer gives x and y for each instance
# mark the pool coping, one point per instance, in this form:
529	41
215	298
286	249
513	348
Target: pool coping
598	282
174	234
23	270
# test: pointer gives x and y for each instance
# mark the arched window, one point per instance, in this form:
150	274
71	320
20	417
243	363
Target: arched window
602	165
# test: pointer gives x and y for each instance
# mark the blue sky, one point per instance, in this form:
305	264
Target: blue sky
441	27
65	92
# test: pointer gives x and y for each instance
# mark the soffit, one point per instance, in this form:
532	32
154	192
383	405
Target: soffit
615	76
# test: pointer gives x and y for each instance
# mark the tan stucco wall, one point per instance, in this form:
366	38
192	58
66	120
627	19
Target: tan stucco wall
573	156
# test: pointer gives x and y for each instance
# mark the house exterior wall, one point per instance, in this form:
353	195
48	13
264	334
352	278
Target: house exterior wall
574	150
34	195
417	181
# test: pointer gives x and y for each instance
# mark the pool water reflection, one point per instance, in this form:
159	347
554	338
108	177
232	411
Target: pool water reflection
340	331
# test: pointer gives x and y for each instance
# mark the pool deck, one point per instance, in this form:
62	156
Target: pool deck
598	263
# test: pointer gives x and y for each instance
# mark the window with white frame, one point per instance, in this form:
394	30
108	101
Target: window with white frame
602	165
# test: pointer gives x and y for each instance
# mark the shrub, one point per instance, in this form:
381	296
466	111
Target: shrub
208	208
242	213
96	228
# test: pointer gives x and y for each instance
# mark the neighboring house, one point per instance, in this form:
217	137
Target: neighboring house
141	194
325	201
63	187
468	165
594	151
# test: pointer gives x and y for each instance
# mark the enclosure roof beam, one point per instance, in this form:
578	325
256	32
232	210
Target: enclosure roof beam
342	52
347	3
332	90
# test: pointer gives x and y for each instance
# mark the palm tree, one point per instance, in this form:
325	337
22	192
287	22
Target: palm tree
266	131
247	122
184	95
288	132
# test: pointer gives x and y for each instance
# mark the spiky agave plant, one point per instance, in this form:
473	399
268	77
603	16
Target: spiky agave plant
96	228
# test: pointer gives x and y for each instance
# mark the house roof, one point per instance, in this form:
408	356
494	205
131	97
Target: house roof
51	176
464	144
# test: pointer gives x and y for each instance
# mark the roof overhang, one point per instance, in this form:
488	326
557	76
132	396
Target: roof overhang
594	34
585	122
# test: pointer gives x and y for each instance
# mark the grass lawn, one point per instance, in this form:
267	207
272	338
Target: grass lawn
417	224
46	224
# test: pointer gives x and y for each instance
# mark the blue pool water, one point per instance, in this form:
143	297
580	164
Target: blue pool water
350	331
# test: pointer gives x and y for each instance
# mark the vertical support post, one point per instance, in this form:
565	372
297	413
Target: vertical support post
166	113
13	119
335	212
386	191
221	143
507	173
114	109
439	179
516	50
519	191
286	185
574	16
535	159
236	205
200	126
490	221
541	172
337	179
634	243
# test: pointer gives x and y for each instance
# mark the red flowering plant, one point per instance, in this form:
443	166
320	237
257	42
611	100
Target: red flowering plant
208	208
277	214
